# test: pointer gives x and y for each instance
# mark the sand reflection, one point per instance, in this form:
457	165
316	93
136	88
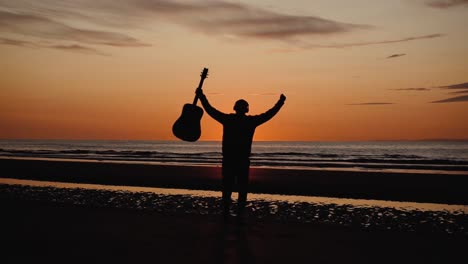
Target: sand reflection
367	214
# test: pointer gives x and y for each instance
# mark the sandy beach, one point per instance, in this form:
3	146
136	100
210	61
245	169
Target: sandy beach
433	188
51	232
76	226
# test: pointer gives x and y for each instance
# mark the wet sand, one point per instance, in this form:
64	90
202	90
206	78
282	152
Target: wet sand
432	188
44	232
55	225
367	215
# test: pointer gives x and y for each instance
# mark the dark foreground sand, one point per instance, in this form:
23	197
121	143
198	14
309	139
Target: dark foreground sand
44	232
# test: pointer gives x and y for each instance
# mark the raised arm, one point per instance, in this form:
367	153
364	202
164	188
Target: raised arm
262	118
213	112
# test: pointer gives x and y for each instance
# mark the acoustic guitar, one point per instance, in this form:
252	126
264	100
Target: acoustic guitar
187	127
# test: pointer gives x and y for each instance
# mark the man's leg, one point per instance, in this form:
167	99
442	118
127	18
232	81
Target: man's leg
228	183
243	183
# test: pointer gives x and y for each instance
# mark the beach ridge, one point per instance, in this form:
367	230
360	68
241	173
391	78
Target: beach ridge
433	188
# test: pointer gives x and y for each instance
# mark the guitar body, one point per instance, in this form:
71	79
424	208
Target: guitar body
187	127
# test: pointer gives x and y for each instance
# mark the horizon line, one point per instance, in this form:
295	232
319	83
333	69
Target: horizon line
176	140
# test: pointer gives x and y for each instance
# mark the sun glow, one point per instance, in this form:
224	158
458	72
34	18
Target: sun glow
117	77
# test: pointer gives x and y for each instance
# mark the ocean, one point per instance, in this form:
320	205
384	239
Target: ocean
449	157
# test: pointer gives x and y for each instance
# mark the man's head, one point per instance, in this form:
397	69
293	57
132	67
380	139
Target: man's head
241	107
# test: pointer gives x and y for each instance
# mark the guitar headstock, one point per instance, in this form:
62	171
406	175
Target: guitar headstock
204	73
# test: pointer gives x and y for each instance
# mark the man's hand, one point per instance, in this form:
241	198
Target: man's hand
199	92
282	98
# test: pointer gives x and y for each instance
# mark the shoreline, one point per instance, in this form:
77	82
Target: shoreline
340	166
433	188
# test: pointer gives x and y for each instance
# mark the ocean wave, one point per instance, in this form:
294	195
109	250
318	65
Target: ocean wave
294	154
269	160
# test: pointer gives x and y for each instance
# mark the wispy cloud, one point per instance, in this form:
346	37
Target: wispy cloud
459	92
15	42
446	3
211	17
359	44
396	55
463	98
456	86
240	20
49	19
43	27
79	49
373	103
356	44
71	47
460	86
264	94
412	89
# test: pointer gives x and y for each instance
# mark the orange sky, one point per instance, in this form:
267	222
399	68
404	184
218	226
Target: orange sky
366	70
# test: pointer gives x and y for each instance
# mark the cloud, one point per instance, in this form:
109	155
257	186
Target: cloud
72	47
235	19
264	94
396	55
373	103
14	42
463	98
42	27
412	89
211	17
456	86
459	92
357	44
79	49
463	86
261	24
232	20
446	3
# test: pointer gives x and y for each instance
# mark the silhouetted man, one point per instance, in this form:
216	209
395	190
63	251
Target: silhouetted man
238	132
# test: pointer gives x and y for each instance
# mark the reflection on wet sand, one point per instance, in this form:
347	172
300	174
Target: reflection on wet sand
367	214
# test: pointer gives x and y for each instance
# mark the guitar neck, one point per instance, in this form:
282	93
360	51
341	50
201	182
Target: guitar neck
200	85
